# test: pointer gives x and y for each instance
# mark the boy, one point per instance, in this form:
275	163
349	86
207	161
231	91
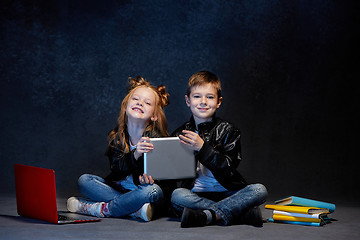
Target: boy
219	194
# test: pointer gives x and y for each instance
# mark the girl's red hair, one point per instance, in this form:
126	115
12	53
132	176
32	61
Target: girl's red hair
119	136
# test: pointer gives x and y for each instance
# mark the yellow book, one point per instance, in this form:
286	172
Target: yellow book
297	209
296	219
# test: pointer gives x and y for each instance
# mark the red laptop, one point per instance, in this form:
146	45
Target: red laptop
36	196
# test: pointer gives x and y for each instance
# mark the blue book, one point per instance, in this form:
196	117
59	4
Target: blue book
297	223
299	201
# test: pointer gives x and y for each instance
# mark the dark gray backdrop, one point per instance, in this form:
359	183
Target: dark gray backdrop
287	69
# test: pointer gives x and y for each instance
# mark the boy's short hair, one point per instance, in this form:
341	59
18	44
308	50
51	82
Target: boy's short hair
204	77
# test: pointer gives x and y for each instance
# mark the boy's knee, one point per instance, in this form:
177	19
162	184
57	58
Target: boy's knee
177	193
260	190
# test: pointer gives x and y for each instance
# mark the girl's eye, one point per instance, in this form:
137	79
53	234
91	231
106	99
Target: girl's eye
148	103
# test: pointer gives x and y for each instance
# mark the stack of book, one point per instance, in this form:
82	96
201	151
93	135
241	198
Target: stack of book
302	211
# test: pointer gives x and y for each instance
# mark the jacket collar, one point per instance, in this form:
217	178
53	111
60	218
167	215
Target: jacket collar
205	126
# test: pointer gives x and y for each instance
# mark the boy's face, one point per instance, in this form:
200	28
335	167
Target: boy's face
203	102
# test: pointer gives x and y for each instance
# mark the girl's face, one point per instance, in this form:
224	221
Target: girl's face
203	102
141	105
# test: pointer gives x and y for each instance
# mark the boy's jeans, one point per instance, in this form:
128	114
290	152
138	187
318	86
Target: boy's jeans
228	205
120	204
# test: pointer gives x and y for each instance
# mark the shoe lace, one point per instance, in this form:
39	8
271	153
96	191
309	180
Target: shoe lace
89	208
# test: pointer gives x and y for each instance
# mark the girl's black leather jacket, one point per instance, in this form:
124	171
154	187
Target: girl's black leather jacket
221	152
124	164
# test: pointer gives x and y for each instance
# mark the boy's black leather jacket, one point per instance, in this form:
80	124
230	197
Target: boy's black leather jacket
221	152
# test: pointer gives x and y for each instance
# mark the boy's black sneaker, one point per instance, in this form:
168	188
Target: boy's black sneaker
252	217
193	218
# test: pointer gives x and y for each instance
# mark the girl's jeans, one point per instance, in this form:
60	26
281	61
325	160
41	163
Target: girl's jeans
120	204
228	205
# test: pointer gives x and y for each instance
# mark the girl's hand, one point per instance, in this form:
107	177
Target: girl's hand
143	146
144	179
192	140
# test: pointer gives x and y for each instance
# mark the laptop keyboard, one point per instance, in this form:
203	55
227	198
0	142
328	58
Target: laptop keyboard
64	218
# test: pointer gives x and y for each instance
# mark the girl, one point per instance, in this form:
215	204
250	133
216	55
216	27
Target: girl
126	191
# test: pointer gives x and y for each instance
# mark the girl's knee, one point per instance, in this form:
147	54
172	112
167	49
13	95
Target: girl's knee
87	182
84	179
154	192
157	189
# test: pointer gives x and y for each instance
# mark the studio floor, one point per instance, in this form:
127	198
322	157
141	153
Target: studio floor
13	226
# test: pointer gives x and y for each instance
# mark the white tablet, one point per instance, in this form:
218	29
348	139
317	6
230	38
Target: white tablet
169	159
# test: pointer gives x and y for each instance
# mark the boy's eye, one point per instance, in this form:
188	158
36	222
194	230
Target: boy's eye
196	96
210	97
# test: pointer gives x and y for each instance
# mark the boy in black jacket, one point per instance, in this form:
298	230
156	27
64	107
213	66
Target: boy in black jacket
219	194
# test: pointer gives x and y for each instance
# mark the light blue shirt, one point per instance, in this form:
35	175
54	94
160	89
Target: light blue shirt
206	182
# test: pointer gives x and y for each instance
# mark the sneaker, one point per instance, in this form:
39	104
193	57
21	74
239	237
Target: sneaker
252	217
193	218
84	206
146	212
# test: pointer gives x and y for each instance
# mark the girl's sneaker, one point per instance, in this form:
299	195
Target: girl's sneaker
145	212
84	206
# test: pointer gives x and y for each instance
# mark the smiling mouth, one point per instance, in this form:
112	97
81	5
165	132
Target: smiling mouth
137	109
203	109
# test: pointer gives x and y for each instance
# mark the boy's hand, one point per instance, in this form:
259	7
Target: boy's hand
143	146
192	140
144	179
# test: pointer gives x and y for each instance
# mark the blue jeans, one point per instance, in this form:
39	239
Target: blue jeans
120	204
228	205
